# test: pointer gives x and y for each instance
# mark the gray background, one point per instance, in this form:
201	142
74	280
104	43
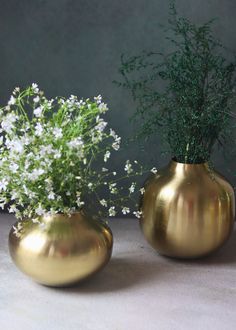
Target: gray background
74	47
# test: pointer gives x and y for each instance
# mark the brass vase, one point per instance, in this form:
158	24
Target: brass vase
187	210
61	250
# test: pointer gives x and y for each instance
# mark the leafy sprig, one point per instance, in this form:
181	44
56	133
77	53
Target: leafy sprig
187	94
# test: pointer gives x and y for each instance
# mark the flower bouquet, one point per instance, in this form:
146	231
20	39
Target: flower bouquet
54	159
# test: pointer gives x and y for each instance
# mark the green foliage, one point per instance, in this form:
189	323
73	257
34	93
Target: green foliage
187	93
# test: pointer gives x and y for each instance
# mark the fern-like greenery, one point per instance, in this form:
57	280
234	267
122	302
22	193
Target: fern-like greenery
186	94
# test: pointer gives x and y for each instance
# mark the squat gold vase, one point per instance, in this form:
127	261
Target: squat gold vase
61	250
187	210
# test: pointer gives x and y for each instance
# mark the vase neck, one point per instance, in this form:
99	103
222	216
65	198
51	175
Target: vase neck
182	168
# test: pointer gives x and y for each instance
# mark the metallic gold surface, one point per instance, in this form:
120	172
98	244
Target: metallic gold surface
62	250
188	210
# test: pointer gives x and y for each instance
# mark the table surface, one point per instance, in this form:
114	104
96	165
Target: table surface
138	290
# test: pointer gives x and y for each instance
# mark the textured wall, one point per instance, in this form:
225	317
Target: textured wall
74	47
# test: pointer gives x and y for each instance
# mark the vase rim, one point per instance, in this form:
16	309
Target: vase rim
80	213
174	161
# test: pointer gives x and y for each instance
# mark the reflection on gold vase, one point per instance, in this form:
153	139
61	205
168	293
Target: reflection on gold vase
61	250
187	210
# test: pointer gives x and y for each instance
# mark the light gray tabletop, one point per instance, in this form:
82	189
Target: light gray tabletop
138	290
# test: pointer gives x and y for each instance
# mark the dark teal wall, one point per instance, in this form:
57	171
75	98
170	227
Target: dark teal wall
74	47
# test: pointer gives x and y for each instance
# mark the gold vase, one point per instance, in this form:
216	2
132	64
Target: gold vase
61	250
187	210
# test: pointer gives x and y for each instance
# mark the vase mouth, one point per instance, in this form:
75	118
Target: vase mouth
78	214
200	162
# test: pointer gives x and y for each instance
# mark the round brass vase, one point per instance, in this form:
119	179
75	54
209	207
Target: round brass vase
61	249
187	210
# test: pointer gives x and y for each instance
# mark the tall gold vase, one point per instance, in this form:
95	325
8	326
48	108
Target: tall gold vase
61	250
188	210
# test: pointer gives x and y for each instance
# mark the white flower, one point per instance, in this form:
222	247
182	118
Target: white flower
137	214
12	100
16	90
15	146
12	209
57	132
16	231
36	99
101	125
51	195
125	210
103	202
14	195
35	174
90	185
39	210
38	111
154	170
103	107
132	187
112	133
107	156
116	144
142	191
57	154
46	150
13	167
112	211
3	184
75	143
128	167
35	87
38	129
78	201
104	169
98	99
113	189
8	122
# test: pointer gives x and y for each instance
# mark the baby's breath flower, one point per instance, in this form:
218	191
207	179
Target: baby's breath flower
12	100
57	132
38	111
3	184
7	123
35	88
128	167
50	162
107	156
125	210
13	167
142	191
51	195
38	129
39	210
36	99
132	187
137	214
103	107
103	202
154	170
112	211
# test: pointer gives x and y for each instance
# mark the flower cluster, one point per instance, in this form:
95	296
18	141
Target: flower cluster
54	155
